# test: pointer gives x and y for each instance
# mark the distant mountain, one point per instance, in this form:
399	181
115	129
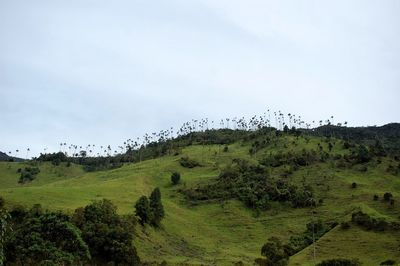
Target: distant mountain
5	157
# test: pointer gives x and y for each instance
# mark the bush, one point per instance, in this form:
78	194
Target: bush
156	207
188	163
107	234
388	262
142	208
339	262
28	174
274	251
226	148
354	185
369	223
345	225
175	178
387	196
376	197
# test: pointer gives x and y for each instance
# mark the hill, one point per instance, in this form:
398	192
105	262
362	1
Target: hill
5	158
246	187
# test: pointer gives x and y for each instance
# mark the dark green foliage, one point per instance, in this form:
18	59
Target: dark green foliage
296	159
388	262
2	202
4	229
274	252
188	162
354	185
313	229
90	164
156	207
226	149
388	135
340	262
142	210
108	235
362	154
345	225
368	222
46	237
330	146
28	174
387	196
55	158
394	170
252	185
175	178
376	197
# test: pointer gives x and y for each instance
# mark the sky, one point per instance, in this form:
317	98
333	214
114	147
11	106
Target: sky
100	72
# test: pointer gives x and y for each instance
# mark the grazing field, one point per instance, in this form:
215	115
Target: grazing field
222	232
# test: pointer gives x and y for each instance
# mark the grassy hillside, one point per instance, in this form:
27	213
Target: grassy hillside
221	232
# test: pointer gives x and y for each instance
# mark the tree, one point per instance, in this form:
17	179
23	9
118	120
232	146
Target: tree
387	196
175	178
275	252
363	154
46	238
156	207
108	235
143	211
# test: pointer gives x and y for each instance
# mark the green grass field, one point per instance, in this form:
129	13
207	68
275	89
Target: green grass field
222	233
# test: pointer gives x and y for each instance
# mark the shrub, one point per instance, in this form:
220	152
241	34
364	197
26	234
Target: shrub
142	208
376	197
354	185
175	178
226	148
156	207
28	174
274	251
339	262
387	196
369	223
188	163
345	225
388	262
2	202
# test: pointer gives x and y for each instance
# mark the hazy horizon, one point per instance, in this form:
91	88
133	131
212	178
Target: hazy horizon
100	72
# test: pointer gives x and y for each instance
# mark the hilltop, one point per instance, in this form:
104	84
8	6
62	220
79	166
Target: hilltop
239	188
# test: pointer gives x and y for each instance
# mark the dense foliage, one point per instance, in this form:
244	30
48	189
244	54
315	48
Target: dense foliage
108	235
28	174
94	234
340	262
252	185
150	211
44	237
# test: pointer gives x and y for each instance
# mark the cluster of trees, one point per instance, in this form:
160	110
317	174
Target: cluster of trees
278	253
89	163
150	211
93	234
371	223
295	159
27	174
252	185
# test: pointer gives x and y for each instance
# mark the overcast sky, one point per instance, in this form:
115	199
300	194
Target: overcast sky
100	72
